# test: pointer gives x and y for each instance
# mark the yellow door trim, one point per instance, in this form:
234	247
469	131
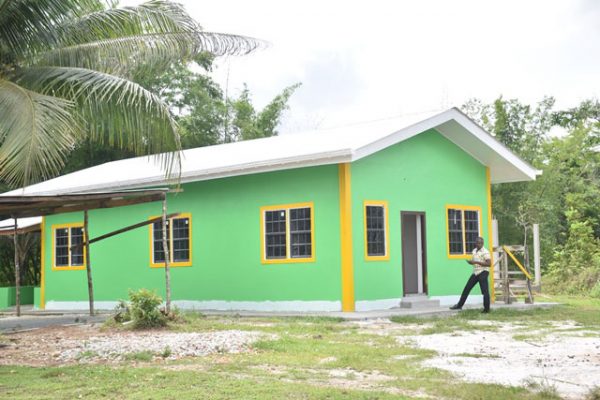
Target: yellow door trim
346	238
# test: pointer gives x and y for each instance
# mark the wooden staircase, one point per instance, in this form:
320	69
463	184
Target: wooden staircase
512	278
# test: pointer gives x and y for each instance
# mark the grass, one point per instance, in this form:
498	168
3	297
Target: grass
88	354
310	358
141	356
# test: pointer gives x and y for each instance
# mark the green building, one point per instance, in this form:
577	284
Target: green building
355	218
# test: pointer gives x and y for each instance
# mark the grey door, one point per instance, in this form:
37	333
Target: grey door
414	268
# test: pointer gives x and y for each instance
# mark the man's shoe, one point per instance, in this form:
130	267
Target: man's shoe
456	307
485	311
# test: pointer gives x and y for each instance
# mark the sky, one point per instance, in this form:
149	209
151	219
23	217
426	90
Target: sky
368	60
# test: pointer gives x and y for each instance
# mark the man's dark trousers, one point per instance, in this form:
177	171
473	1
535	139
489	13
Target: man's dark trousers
482	278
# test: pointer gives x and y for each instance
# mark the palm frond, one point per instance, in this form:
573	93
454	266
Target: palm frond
153	52
28	26
117	112
155	16
36	131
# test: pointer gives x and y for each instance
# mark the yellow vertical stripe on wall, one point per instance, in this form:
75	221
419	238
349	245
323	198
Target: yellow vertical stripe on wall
490	233
346	238
43	265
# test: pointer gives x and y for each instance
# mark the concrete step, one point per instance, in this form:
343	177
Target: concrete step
418	302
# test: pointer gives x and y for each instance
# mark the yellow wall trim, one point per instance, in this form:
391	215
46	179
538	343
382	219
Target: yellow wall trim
467	253
43	265
490	233
346	237
53	232
288	259
171	262
384	204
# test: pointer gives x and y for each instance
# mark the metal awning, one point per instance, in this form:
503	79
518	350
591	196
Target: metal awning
37	206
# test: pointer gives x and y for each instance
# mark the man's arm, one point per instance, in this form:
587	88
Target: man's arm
485	263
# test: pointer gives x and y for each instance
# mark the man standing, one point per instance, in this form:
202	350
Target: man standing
480	261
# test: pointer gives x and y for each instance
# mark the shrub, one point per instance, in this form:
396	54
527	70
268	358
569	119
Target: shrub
122	313
144	309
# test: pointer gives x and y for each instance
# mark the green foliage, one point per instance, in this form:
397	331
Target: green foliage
142	356
166	353
122	312
207	114
144	309
564	200
64	76
29	256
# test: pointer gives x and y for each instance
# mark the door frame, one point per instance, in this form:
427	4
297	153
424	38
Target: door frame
423	249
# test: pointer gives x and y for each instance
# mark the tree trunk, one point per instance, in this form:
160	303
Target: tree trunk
166	253
88	264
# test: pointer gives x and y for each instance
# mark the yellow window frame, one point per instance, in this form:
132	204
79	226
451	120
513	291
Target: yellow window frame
69	267
288	259
384	204
466	253
171	262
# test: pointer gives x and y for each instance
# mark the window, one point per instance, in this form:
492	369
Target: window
287	233
179	239
376	230
464	226
63	237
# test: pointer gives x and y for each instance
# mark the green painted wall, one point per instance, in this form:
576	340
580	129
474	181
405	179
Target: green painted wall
8	296
36	297
225	243
424	173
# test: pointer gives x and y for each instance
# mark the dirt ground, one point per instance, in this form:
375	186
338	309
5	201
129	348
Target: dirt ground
58	345
563	355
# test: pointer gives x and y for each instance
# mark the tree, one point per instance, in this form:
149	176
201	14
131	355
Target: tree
205	114
64	77
565	199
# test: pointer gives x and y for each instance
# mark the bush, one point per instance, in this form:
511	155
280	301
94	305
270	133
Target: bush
144	309
595	293
122	313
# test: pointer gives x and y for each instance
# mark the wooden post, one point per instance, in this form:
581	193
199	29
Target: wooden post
536	256
88	264
505	278
166	253
17	273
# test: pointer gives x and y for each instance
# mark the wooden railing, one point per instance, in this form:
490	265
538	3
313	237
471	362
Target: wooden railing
513	281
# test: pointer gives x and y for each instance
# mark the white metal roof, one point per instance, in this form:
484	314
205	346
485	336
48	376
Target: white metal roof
328	146
7	225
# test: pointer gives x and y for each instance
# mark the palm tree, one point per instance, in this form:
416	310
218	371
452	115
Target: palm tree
64	69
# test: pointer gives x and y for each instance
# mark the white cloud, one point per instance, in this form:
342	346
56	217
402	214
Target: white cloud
367	60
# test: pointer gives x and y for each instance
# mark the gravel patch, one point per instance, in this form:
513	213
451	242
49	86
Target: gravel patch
168	345
570	363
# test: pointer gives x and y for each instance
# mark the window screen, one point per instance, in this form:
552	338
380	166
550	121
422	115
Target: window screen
64	239
463	230
455	231
61	247
375	230
275	234
471	229
159	252
178	240
181	239
288	233
300	233
77	253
